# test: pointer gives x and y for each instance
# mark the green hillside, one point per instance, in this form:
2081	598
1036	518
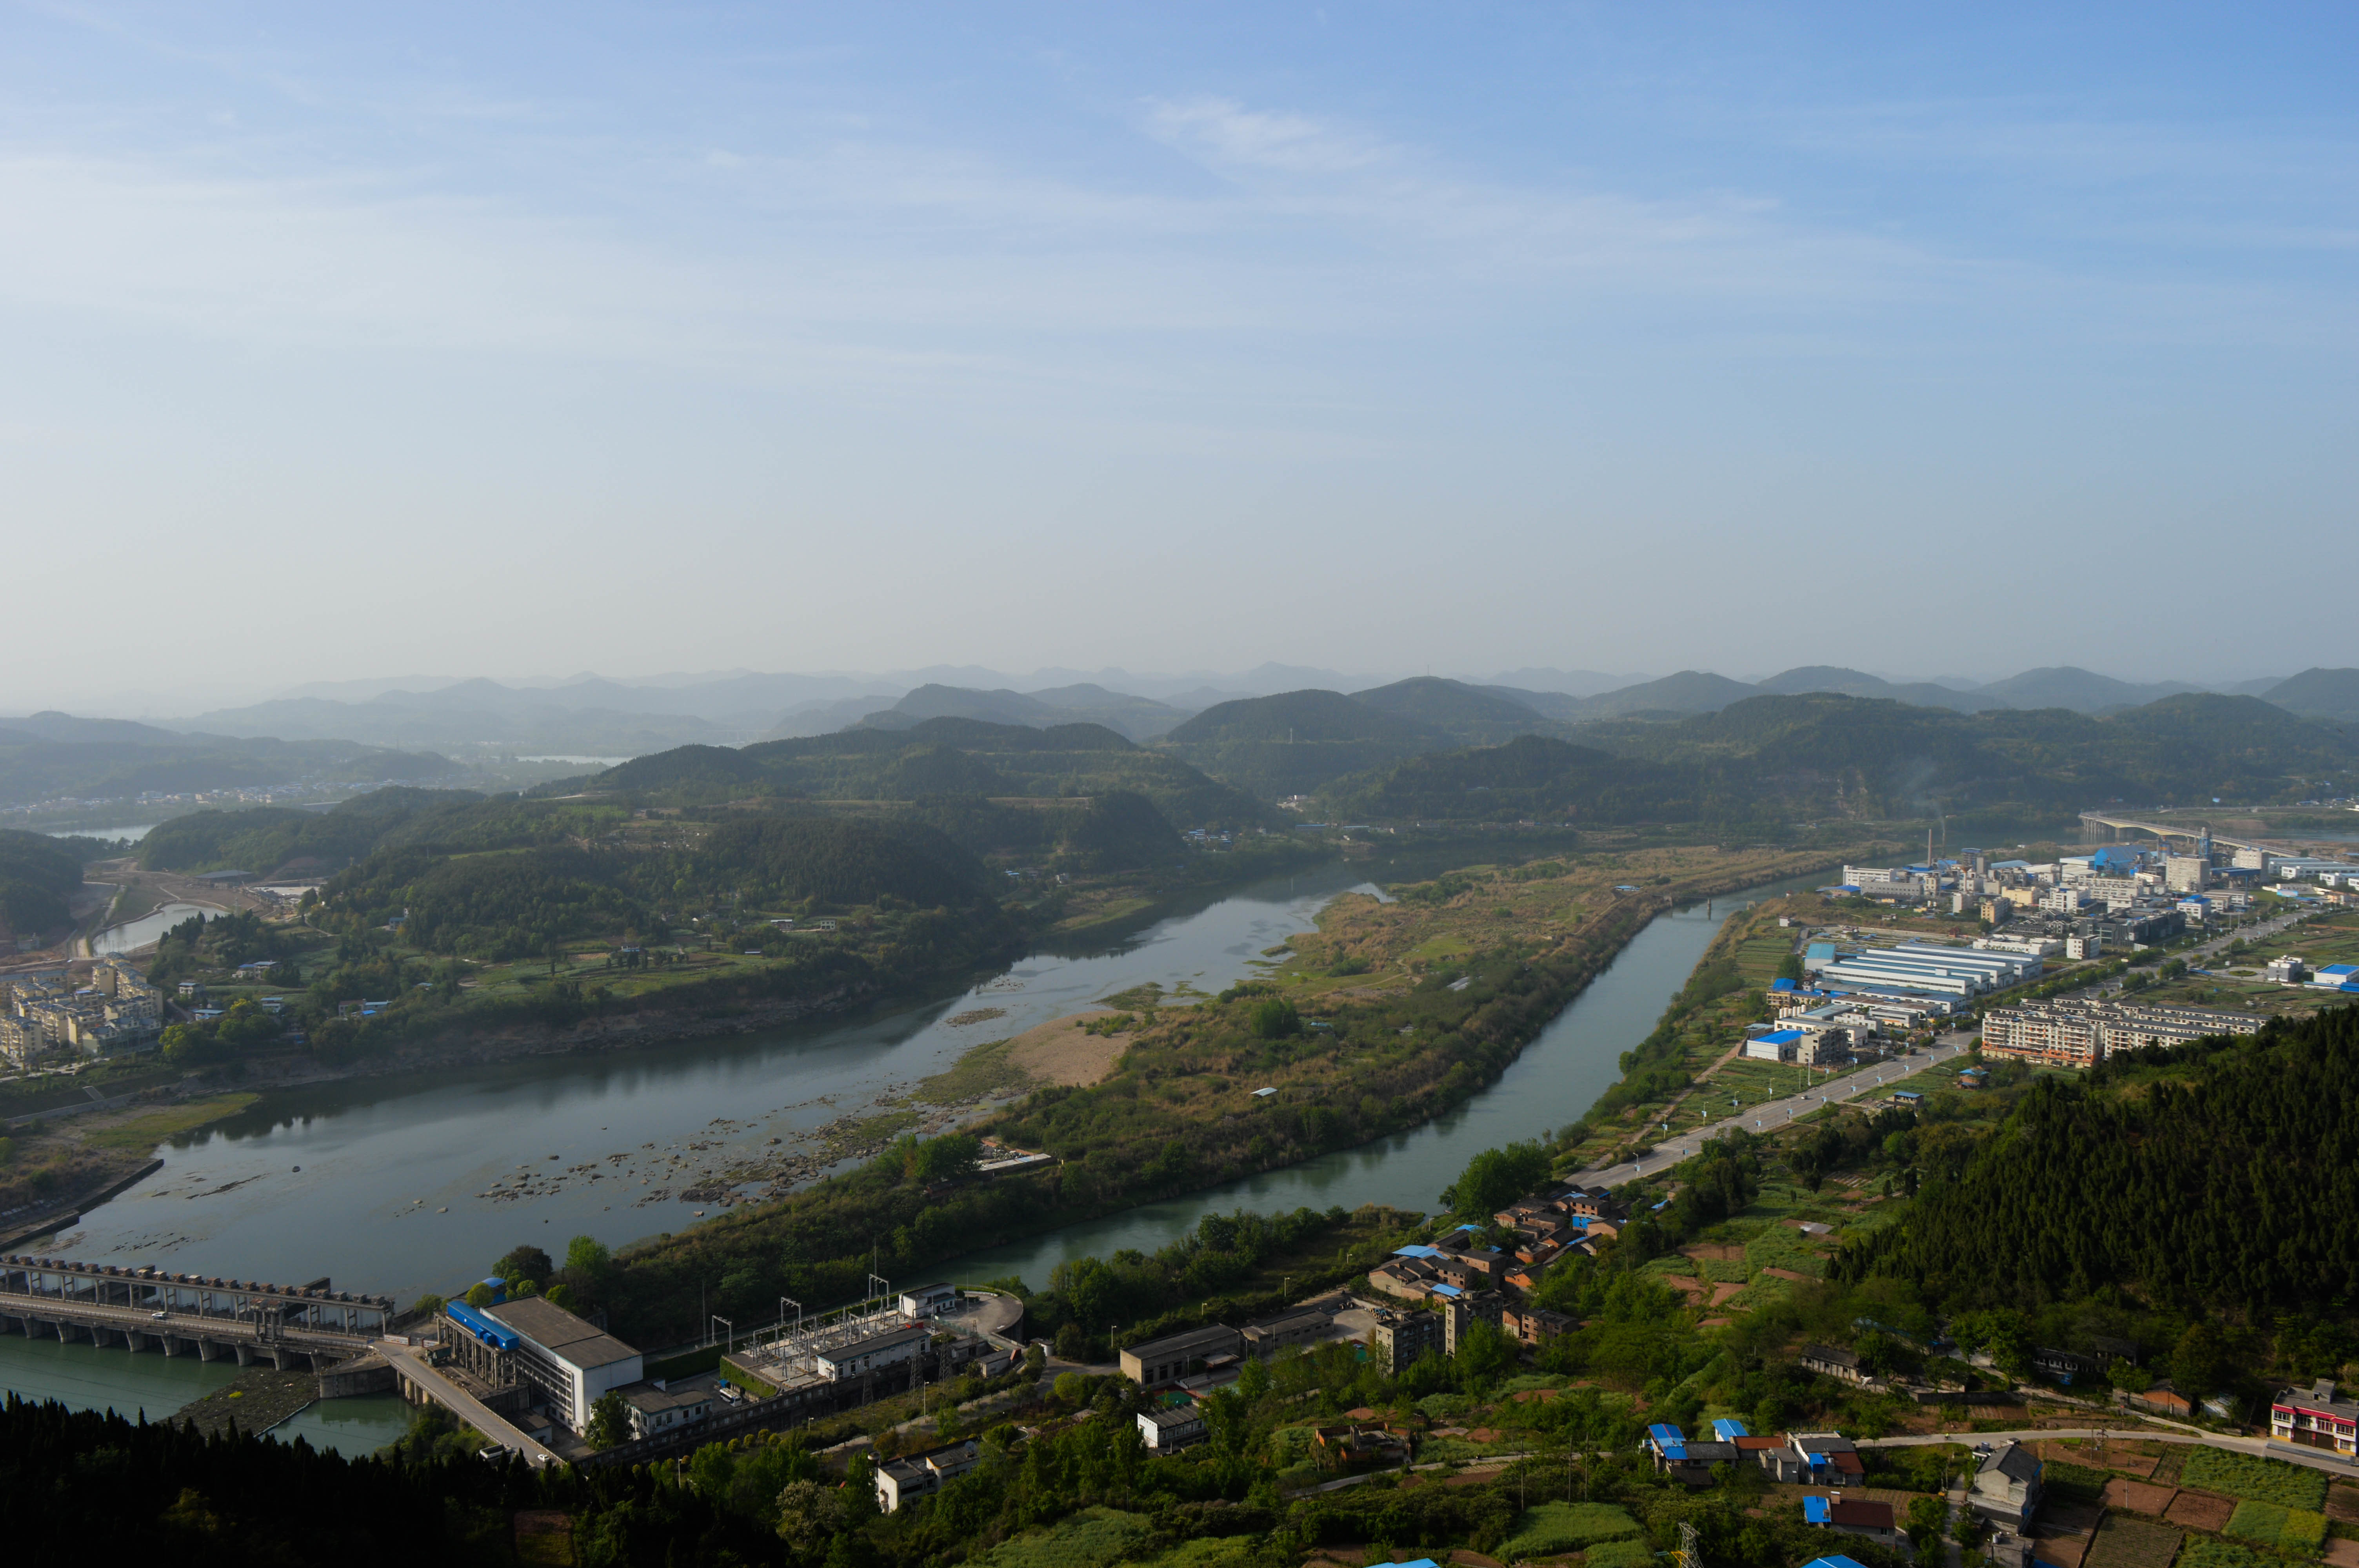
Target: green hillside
2323	693
261	839
90	758
1298	717
2219	1176
38	875
932	758
1821	754
1464	712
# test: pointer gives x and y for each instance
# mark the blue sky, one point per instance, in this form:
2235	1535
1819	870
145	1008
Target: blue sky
352	339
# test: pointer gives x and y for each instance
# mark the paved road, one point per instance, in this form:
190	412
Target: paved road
464	1405
2131	1431
1767	1117
179	1325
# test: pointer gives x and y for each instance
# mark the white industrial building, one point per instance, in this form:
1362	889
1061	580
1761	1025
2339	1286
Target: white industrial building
569	1362
889	1348
1950	971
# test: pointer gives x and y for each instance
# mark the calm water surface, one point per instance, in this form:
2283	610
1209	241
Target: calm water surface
85	1377
148	929
387	1197
377	1182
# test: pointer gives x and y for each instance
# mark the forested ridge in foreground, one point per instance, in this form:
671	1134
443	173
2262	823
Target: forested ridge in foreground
2221	1176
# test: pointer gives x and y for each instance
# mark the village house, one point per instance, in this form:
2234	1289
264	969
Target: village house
1814	1458
2315	1418
1833	1361
1358	1446
1535	1326
914	1475
2005	1489
1853	1516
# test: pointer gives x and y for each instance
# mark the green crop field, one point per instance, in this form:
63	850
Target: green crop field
2204	1551
2263	1480
2294	1530
1553	1528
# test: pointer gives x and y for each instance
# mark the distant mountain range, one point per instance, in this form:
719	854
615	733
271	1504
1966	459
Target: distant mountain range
55	756
594	716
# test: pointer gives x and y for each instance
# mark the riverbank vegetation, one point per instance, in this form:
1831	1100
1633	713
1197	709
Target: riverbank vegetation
1389	1014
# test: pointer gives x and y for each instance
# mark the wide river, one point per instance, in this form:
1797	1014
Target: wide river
380	1183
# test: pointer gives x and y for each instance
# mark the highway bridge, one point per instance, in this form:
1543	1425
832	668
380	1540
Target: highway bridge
148	1308
2192	831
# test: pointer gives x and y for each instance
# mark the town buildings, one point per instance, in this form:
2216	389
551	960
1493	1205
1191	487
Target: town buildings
1174	1356
46	1017
2068	1032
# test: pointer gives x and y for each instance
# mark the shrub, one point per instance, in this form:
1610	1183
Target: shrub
1275	1019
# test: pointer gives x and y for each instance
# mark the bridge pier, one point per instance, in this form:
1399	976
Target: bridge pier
207	1349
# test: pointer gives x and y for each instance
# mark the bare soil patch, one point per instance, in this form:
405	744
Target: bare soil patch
2200	1510
1059	1052
2139	1497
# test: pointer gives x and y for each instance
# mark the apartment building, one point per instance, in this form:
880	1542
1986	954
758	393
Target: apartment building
2075	1033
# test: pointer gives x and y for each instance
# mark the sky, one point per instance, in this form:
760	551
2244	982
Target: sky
343	340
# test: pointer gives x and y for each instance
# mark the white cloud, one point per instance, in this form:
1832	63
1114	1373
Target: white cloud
1225	132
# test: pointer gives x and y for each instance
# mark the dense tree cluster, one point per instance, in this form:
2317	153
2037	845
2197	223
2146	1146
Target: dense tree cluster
38	875
2220	1175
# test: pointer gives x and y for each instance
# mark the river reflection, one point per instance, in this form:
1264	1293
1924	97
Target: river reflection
377	1182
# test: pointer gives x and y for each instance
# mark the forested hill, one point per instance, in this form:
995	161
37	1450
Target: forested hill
938	758
2223	1175
1816	755
54	755
38	875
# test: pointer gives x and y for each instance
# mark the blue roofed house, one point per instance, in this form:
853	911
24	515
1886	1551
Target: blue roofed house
1728	1431
1835	1562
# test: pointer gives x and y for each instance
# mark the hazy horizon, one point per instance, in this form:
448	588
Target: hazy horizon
1153	684
1382	340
